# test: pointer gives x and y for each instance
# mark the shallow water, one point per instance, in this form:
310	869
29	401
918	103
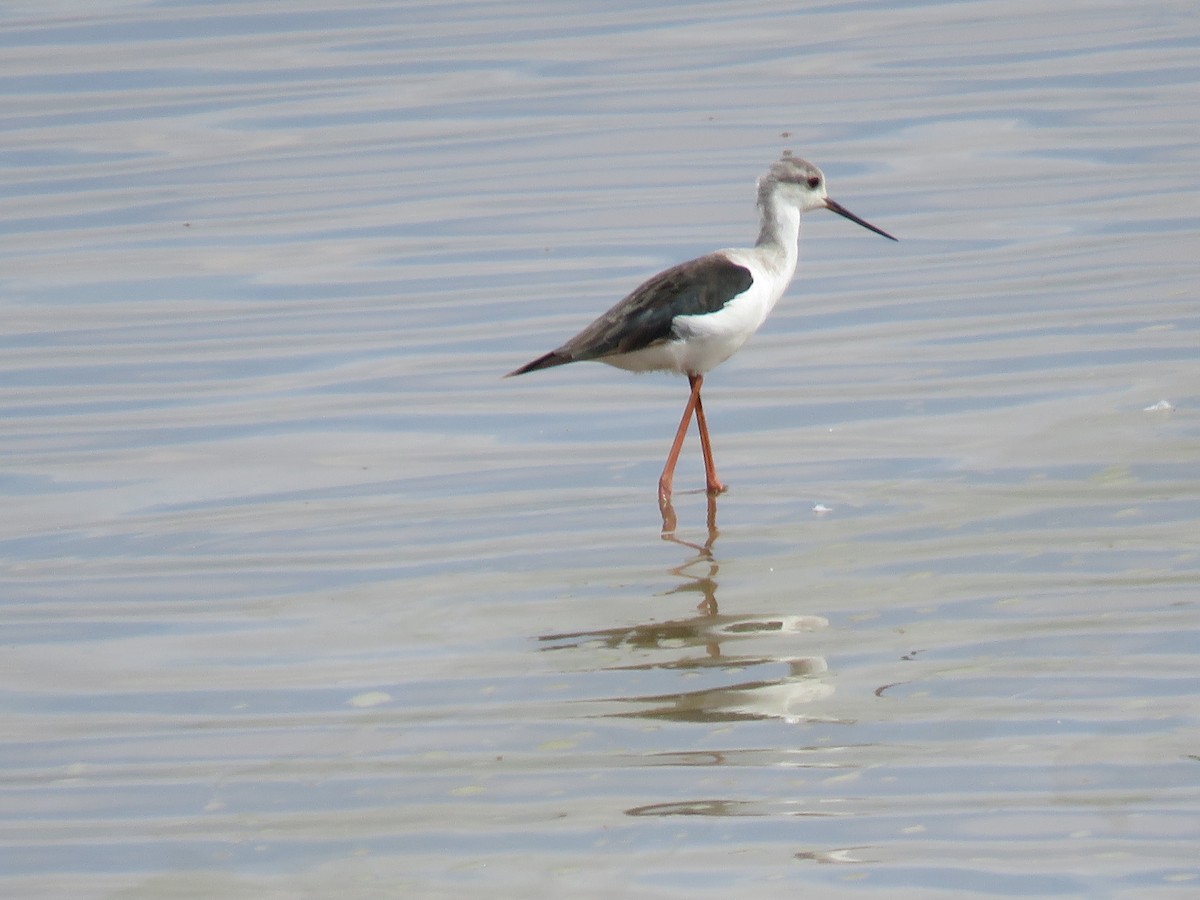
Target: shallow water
301	598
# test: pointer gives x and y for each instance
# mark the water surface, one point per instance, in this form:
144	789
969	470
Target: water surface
302	599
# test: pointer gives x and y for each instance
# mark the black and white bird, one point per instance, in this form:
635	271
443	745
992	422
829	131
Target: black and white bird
694	316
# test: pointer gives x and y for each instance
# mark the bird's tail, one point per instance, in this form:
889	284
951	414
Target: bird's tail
551	359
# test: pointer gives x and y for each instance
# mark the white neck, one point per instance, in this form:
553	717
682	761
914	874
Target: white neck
779	233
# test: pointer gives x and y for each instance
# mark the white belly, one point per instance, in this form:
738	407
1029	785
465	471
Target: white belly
700	343
691	356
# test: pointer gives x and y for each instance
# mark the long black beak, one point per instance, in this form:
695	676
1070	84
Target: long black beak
833	206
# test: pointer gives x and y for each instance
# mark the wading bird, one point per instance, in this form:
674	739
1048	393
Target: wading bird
694	316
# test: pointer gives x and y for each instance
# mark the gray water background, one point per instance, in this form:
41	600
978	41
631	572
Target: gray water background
300	599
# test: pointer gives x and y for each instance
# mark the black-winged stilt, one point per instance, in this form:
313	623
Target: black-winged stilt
694	316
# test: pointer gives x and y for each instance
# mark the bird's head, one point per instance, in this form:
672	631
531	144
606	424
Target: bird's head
798	182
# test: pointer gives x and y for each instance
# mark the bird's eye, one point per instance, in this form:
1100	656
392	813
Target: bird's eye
814	182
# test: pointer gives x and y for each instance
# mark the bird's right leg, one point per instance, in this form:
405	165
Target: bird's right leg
712	482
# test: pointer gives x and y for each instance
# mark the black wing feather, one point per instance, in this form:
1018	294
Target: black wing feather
648	314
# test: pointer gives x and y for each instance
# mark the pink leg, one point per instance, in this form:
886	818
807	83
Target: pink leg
668	472
710	470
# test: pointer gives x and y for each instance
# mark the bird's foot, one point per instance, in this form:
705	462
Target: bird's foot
665	506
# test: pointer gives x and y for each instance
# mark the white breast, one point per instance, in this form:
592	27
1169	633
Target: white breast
712	339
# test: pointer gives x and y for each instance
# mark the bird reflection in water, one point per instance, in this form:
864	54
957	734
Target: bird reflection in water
710	644
705	584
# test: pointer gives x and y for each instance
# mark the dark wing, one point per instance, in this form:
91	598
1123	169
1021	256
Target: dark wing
647	315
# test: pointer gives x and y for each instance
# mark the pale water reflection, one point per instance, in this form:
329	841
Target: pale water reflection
714	646
301	599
